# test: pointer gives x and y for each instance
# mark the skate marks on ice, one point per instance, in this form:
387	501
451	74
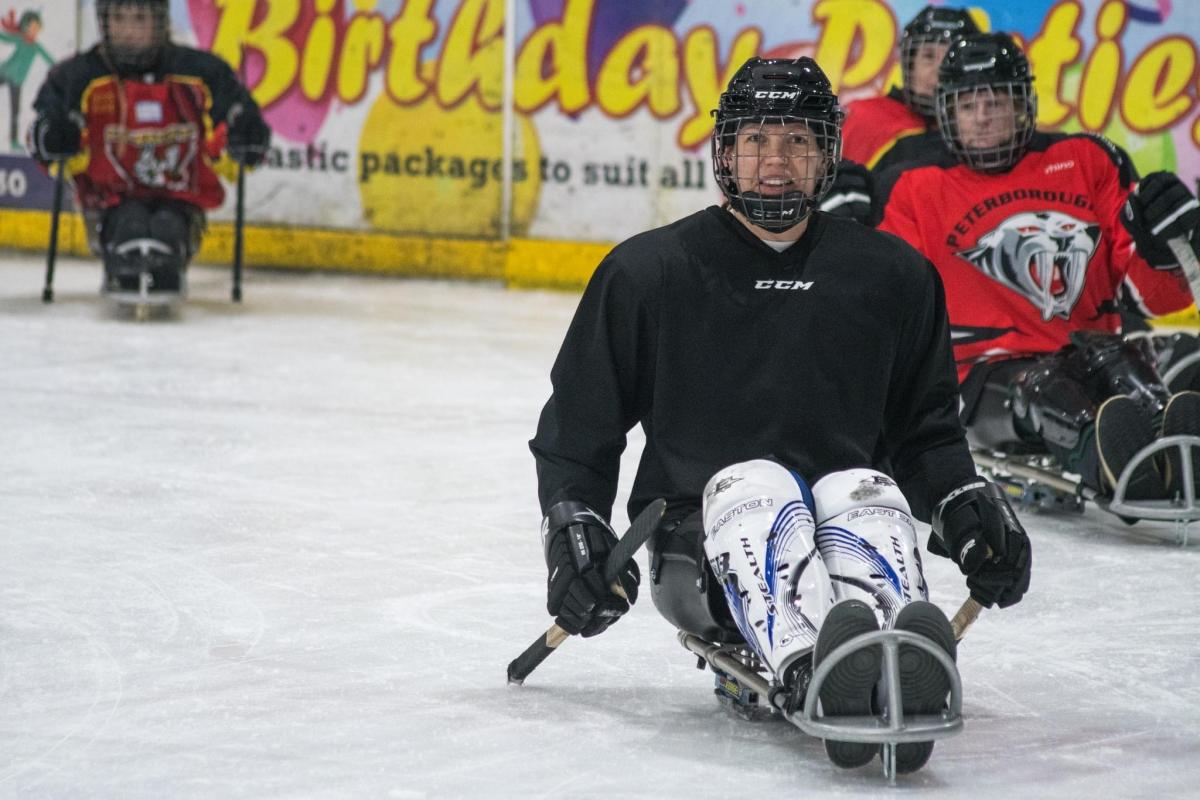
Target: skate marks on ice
91	640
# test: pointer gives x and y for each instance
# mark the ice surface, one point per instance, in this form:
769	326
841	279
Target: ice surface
288	548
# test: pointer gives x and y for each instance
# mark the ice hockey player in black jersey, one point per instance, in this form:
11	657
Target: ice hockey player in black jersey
141	122
792	373
1036	236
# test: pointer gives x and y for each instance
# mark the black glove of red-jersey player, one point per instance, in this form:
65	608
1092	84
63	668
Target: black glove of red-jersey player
1159	209
852	193
249	136
975	526
577	542
55	136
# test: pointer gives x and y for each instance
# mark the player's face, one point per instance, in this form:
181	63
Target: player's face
131	27
986	117
773	158
926	58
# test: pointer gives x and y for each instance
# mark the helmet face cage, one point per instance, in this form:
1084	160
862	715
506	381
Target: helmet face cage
913	48
775	169
988	126
121	23
932	29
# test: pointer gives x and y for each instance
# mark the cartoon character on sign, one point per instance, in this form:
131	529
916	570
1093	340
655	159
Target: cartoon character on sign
22	34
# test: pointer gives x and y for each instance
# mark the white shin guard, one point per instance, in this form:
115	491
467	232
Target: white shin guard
867	540
759	536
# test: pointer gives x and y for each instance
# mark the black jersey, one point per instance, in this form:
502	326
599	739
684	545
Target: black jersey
831	355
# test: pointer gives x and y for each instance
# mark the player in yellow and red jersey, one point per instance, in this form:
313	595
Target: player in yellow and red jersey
142	121
900	125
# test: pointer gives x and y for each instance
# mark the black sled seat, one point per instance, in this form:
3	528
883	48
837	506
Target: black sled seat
890	727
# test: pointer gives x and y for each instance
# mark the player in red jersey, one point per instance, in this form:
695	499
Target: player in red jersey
893	128
876	126
1035	236
142	121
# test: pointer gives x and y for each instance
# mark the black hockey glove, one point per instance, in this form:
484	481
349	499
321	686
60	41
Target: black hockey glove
1159	209
577	541
975	526
852	193
249	136
55	136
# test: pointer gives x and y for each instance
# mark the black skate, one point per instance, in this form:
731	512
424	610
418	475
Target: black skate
1123	427
1180	418
924	682
848	689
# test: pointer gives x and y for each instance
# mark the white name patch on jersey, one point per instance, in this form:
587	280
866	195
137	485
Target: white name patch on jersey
148	111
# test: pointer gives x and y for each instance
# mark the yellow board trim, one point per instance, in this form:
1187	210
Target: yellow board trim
527	263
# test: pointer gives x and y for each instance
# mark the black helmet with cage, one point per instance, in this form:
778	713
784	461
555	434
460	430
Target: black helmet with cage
777	140
986	105
133	33
936	26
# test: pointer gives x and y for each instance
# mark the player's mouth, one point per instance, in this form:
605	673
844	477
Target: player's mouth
775	184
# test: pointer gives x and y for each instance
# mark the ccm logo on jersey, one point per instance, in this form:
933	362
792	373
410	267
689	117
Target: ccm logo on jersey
790	286
776	95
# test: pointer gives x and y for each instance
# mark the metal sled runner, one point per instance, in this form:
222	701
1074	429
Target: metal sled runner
889	728
1038	485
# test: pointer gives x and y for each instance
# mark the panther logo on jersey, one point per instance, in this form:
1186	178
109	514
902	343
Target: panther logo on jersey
1042	255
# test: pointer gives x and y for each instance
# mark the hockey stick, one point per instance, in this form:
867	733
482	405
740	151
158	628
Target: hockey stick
239	209
1183	251
968	612
52	251
639	531
239	217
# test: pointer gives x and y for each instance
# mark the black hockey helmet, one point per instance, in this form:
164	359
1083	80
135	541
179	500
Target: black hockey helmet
936	25
777	92
987	76
124	53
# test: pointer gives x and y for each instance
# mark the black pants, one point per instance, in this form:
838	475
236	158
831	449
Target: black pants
155	236
1048	403
176	224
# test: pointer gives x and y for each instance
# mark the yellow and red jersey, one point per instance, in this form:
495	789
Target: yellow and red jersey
151	135
875	125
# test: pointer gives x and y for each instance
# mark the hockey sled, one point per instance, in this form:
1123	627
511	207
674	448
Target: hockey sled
1036	483
133	284
744	684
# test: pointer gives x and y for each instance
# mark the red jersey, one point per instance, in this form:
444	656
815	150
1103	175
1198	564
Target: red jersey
1032	254
152	135
875	125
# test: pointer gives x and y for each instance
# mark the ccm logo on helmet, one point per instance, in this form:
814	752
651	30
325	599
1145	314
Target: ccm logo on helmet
776	95
803	286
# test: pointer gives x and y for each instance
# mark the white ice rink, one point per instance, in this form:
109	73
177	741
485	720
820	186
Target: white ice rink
287	549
